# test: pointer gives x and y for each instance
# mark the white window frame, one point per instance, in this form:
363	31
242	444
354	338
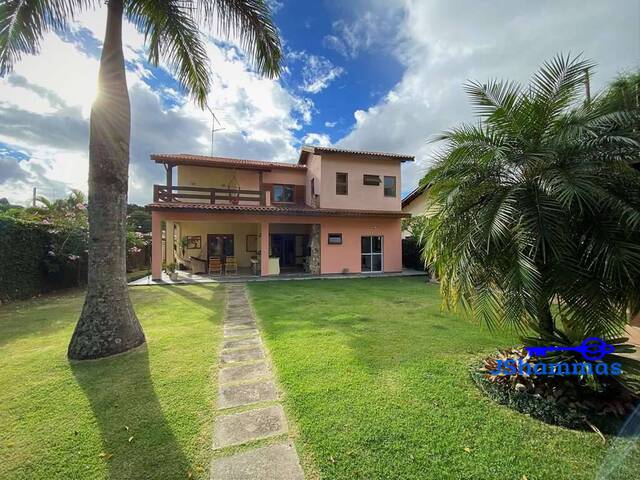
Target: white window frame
372	254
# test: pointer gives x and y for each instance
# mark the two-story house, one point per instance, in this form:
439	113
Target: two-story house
334	211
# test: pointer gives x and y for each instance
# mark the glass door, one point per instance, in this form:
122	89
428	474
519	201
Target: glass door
220	246
371	254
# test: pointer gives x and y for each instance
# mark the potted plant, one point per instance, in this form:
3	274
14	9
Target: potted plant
171	271
234	191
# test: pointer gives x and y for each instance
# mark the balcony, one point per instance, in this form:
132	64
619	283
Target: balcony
224	196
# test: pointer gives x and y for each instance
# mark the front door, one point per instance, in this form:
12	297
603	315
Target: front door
220	245
371	260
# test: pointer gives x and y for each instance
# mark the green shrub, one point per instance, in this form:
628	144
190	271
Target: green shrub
541	408
36	257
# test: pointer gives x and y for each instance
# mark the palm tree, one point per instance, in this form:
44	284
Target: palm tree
108	323
536	212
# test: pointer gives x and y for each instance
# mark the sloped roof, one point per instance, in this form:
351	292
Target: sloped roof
308	149
413	195
236	163
273	210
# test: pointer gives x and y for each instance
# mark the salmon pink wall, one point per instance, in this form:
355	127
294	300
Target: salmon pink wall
313	172
208	177
191	176
288	177
335	258
360	196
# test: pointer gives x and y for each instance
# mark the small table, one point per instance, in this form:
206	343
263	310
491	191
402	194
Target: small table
274	266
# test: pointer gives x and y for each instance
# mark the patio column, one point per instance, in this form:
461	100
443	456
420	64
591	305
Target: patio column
156	246
171	258
264	249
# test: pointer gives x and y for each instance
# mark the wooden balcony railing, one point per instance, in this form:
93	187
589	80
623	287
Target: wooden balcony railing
163	193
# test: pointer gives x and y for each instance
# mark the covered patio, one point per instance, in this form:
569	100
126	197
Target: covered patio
231	245
186	278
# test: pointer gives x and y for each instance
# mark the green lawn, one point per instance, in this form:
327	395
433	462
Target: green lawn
376	382
145	414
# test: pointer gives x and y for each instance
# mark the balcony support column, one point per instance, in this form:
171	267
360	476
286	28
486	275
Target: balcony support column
169	254
156	246
264	249
169	168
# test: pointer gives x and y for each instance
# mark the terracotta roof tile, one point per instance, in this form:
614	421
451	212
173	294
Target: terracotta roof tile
202	160
273	210
314	149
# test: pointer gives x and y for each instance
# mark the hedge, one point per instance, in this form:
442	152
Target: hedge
29	264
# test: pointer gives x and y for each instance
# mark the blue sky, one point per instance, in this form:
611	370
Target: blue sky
364	74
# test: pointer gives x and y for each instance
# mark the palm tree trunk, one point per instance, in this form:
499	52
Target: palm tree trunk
108	323
545	318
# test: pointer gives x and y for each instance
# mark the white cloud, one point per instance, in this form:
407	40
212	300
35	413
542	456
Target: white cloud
317	73
375	24
46	110
320	139
330	124
442	44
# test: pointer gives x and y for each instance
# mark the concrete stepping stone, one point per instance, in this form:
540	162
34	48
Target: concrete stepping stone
275	462
246	393
243	372
237	331
240	320
245	342
249	426
234	356
239	312
238	305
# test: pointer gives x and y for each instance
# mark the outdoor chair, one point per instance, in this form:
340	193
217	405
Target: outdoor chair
230	265
198	265
215	266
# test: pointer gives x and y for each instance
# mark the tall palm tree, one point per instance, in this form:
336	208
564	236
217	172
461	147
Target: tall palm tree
108	323
536	212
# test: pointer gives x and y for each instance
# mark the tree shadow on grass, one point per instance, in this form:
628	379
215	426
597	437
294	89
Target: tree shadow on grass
208	299
125	405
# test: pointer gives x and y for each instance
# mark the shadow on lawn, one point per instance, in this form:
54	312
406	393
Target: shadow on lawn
123	400
206	295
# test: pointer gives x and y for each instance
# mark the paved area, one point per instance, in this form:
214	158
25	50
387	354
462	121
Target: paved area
189	278
248	392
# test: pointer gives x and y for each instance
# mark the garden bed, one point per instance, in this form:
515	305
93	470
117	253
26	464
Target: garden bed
557	400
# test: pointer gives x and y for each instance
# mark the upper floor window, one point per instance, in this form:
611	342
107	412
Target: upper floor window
342	184
283	193
371	180
313	186
389	186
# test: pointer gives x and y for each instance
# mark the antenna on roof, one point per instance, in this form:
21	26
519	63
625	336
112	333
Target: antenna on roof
214	119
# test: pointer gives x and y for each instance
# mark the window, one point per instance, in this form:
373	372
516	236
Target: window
342	184
389	186
371	180
335	239
313	186
283	193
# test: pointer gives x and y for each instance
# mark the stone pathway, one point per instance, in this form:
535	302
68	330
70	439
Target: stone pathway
246	386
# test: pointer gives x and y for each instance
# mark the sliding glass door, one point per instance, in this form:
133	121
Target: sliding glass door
371	254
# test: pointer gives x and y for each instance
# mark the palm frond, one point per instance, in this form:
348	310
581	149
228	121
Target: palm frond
24	22
537	202
173	35
556	83
250	21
